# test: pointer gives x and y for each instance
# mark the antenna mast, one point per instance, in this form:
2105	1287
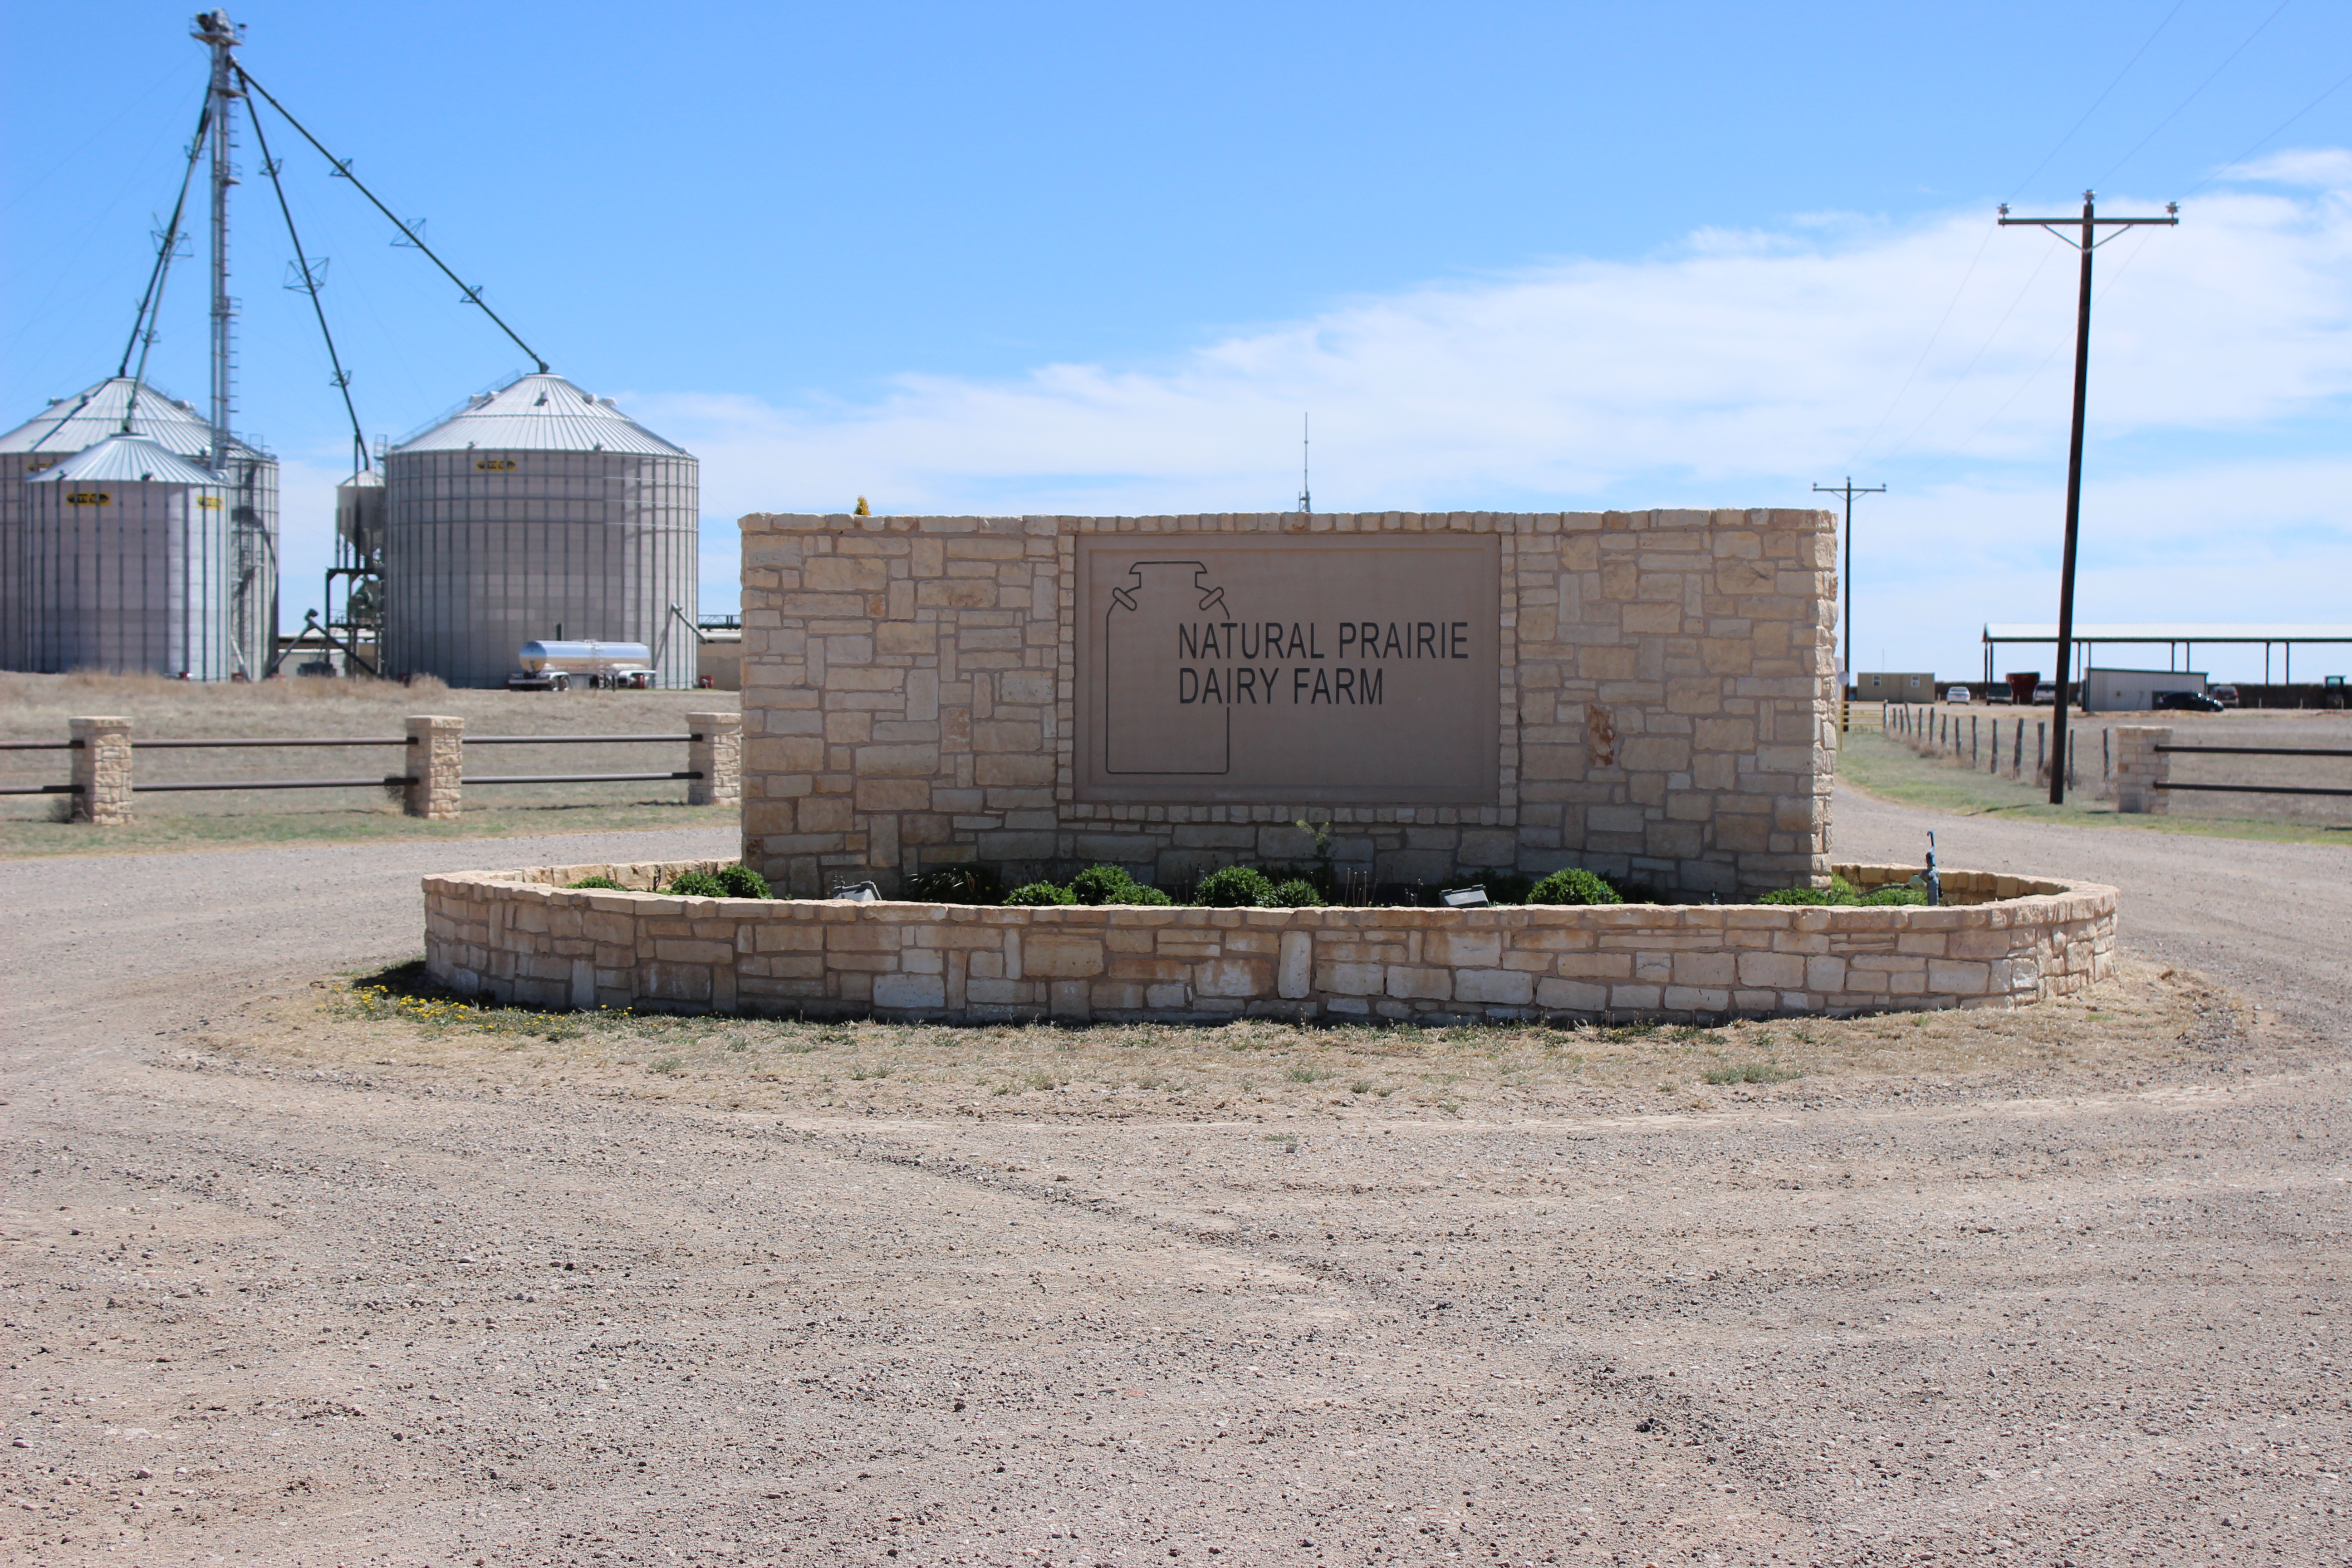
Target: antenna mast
1305	495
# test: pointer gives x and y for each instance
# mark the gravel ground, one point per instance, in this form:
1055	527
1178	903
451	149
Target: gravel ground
269	1296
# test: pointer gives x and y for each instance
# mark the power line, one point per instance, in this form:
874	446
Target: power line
2111	86
1936	336
2185	102
1983	349
2274	131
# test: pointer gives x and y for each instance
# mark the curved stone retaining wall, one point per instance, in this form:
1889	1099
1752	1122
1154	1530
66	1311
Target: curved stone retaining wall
521	936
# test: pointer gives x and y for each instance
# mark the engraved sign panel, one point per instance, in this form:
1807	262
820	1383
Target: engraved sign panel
1352	671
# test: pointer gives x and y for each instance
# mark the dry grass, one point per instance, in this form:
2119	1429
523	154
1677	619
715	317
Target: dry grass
2148	1021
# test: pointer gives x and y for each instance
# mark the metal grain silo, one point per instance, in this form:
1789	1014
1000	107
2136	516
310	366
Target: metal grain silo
71	425
129	564
536	511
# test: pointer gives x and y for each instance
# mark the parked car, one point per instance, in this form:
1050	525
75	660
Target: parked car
2046	692
1957	694
2227	696
2186	702
1999	697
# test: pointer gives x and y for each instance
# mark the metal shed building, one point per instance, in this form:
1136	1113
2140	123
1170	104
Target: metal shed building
536	512
128	560
249	494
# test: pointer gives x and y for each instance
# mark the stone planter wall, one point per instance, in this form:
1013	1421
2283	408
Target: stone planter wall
521	937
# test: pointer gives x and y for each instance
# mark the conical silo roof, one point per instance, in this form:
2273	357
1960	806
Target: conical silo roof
90	416
126	459
540	413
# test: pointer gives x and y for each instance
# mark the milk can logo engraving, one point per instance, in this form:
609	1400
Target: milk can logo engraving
1302	670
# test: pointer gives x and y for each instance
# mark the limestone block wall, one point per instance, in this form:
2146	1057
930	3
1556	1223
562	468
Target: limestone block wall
1666	699
523	937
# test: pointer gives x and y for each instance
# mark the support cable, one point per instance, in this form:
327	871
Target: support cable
151	300
342	166
311	286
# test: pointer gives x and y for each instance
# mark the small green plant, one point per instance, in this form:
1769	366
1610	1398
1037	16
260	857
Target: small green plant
1844	893
863	1071
1361	1086
742	882
1297	893
1234	887
1039	895
605	883
1753	1072
696	885
664	1064
1305	1074
1572	885
956	885
1112	885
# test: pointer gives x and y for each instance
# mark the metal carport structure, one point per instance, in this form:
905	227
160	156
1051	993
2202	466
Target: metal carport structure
2178	637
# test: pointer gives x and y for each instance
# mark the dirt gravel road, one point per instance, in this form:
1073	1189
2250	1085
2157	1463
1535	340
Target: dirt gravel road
323	1317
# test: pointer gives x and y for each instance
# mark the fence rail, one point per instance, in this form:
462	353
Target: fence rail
104	753
2167	749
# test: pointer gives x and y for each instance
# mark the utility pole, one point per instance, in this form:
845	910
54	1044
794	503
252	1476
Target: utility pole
2090	241
1845	590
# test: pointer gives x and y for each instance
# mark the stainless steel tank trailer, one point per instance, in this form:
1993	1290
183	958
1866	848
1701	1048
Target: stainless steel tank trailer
553	665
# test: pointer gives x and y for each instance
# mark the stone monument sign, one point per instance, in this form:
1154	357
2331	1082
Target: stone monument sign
1439	696
1320	670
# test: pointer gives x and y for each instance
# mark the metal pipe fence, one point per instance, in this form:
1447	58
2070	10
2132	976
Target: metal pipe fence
718	777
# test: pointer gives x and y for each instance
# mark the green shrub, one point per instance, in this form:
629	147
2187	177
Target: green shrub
1571	885
1234	887
607	883
1297	893
1102	885
1037	895
956	885
742	882
1137	893
696	885
1842	893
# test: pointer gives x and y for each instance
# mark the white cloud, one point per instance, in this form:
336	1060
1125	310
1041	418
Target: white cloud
1732	371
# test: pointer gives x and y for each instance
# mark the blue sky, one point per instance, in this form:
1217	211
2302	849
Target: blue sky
1055	258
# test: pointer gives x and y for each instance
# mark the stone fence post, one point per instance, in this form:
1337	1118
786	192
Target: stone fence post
437	762
101	770
717	753
2140	767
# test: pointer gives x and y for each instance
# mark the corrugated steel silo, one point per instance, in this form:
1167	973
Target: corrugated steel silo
536	512
129	562
71	425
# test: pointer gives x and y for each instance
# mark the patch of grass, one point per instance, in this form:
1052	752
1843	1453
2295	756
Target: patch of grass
1361	1086
1305	1074
864	1070
1869	762
1752	1072
665	1064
